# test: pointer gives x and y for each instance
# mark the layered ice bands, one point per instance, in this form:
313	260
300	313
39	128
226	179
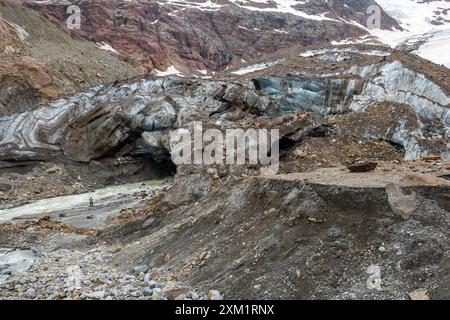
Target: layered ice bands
92	123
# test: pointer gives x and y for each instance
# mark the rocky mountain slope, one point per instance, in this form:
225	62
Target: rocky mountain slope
41	60
195	36
225	33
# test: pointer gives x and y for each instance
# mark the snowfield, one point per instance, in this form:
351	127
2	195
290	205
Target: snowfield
419	20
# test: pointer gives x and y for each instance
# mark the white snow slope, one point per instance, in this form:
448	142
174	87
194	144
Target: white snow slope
426	24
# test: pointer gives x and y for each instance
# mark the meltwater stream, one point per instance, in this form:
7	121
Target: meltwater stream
75	210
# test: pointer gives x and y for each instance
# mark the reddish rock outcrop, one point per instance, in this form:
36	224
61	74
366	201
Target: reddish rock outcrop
202	35
25	80
40	60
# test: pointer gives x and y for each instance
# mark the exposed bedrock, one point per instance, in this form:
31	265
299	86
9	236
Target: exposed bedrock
112	119
209	35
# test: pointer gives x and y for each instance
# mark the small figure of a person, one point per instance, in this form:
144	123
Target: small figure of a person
91	202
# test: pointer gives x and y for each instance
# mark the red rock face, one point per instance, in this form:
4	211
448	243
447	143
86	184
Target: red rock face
192	36
40	60
27	81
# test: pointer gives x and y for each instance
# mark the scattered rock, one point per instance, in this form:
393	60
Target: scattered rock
362	167
148	292
155	284
97	295
157	290
419	294
193	295
432	158
30	293
147	223
53	170
214	295
174	293
203	255
401	204
141	195
140	269
147	277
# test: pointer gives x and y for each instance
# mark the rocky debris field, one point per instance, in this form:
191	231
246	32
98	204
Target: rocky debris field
44	258
315	235
74	274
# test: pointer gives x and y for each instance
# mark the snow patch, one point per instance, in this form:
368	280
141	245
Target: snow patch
21	33
256	67
437	48
426	24
171	71
312	53
107	47
277	6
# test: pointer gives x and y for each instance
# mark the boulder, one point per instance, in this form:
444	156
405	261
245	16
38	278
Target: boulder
403	205
363	166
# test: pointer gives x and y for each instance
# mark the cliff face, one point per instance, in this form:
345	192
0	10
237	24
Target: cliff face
211	35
